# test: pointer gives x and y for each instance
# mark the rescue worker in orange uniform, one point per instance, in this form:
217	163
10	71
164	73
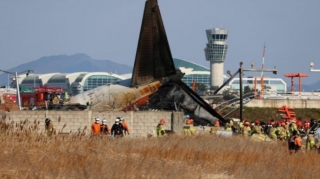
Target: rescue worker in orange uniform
95	127
104	129
215	128
125	126
294	143
50	128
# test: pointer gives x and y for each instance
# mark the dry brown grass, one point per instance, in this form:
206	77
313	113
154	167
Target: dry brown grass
28	153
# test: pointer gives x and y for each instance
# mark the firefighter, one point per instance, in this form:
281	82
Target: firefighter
273	131
241	124
50	128
246	132
257	129
215	128
293	126
310	143
188	129
160	128
229	125
283	133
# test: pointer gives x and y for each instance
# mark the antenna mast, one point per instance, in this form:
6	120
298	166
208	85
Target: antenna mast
263	55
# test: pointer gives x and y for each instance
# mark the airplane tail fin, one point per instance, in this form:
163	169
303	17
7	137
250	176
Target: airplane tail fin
153	57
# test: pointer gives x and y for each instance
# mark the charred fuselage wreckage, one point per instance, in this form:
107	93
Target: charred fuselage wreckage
155	81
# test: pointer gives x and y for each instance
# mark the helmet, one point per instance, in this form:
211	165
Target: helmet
162	121
187	116
247	123
216	122
121	118
257	121
97	119
299	123
104	121
117	120
47	120
283	124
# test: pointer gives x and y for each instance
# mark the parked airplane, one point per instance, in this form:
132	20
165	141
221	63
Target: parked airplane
153	73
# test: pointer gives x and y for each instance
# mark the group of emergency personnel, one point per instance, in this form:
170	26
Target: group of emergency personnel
291	130
119	129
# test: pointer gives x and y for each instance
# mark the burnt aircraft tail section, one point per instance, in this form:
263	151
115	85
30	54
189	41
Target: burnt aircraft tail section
153	57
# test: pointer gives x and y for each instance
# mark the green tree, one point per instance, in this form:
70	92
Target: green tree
247	89
228	94
202	88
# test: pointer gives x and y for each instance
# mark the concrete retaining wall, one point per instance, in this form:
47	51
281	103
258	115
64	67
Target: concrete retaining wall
140	123
274	103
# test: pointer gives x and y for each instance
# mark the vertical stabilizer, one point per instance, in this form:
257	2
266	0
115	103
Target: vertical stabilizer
153	57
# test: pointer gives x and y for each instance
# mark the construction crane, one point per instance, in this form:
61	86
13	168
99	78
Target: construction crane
294	75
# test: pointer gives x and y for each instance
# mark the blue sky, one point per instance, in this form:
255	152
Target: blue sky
109	29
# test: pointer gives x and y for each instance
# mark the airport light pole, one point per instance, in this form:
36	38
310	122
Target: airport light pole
17	82
311	68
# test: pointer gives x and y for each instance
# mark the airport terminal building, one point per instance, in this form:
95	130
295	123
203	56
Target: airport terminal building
75	83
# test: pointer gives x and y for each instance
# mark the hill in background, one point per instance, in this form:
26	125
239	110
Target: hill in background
68	64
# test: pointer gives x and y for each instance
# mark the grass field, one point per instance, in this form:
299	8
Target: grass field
28	153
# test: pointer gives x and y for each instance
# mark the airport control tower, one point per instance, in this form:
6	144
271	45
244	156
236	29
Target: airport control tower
216	52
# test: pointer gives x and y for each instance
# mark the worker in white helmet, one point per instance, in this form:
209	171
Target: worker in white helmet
117	129
104	129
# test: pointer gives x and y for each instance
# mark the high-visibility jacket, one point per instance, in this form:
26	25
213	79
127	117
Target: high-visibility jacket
272	133
50	128
95	128
246	131
257	129
293	127
241	126
228	126
310	142
188	130
214	129
160	130
282	134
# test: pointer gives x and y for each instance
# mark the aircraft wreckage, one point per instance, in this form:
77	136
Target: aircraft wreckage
155	81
